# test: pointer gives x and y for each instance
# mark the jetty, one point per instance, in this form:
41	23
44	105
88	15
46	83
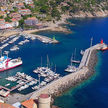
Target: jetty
43	39
84	71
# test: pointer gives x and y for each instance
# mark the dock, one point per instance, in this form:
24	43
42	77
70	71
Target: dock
43	39
72	79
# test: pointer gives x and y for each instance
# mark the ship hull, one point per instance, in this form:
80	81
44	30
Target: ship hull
1	70
104	49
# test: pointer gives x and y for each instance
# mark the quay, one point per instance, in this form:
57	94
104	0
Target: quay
58	86
4	92
85	70
43	39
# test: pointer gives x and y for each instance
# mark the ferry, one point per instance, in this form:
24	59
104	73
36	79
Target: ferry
104	47
8	63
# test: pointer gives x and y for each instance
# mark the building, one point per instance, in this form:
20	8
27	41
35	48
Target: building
24	11
31	21
5	105
20	5
29	104
17	105
3	8
44	101
16	16
2	13
15	22
2	21
28	1
31	5
8	25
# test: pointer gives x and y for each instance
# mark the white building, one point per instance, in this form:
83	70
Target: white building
28	1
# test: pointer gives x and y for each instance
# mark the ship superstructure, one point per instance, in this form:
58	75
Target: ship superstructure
8	63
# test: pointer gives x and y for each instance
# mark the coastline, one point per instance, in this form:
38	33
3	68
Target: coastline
92	63
57	26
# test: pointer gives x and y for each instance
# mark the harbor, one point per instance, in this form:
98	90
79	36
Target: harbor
59	84
86	69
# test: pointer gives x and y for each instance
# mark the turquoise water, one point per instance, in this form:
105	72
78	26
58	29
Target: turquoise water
90	94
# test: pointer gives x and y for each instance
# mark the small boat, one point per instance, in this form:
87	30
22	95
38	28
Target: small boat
104	47
73	60
7	84
71	68
81	52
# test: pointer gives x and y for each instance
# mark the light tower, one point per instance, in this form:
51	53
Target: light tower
44	101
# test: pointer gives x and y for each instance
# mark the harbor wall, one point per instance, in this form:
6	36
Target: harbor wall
62	84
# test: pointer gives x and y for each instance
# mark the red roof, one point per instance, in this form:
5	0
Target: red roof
4	105
20	4
44	96
1	19
28	103
32	18
13	19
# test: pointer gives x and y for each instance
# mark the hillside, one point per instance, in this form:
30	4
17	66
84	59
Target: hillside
76	8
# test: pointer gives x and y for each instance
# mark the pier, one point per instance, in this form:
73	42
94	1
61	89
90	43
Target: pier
43	39
58	86
85	70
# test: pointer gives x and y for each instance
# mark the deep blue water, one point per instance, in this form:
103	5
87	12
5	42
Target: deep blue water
93	93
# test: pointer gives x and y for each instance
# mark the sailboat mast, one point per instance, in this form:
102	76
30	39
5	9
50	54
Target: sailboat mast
75	54
55	68
91	42
47	61
41	61
71	59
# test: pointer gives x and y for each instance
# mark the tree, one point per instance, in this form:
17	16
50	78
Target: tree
21	23
8	19
55	13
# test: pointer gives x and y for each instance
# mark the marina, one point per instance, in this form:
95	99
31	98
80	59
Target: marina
49	78
68	80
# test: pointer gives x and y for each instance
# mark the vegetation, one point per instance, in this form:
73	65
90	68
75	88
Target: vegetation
8	19
54	8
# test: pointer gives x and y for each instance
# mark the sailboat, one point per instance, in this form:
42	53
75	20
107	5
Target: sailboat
70	67
73	60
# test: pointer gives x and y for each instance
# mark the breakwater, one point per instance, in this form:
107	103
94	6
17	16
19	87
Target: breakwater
43	39
85	70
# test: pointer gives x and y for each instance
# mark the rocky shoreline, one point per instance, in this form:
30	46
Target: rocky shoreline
95	14
91	70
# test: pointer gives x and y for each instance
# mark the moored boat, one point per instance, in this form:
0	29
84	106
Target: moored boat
104	47
8	63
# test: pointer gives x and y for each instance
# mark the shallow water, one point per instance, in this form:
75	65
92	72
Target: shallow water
90	94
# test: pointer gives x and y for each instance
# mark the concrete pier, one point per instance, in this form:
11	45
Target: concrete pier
43	39
72	79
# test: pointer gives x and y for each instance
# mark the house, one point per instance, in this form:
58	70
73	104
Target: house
29	104
5	105
31	21
15	22
16	16
8	25
20	5
2	21
28	1
17	105
31	5
2	13
24	11
3	8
